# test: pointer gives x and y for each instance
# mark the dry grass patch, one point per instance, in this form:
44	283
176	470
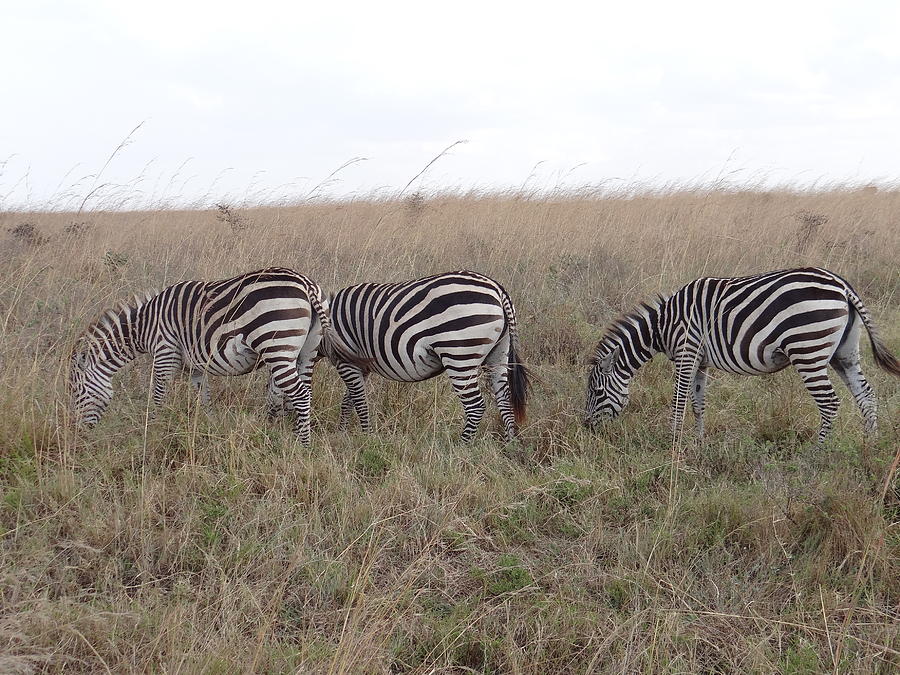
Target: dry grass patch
211	541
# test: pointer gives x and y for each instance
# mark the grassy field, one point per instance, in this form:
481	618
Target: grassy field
212	542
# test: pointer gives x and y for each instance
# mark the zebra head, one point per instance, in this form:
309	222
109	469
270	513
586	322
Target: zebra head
607	389
90	385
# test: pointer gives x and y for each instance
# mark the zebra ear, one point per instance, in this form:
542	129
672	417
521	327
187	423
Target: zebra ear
607	362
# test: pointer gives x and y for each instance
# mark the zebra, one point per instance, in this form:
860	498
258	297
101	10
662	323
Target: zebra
273	317
455	322
808	318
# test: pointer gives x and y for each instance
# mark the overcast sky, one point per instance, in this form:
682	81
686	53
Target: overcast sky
263	100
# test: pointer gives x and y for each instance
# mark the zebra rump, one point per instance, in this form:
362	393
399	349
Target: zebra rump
455	323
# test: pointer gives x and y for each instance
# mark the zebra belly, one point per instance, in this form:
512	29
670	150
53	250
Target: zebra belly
423	366
730	360
764	360
235	357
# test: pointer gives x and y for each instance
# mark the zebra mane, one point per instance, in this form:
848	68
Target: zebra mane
618	329
112	316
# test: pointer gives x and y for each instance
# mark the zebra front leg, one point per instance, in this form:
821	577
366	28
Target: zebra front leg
698	398
465	384
166	363
355	380
685	374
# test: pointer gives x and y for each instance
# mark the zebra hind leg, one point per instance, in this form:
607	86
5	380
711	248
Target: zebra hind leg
276	406
346	411
497	365
465	384
285	380
815	378
849	370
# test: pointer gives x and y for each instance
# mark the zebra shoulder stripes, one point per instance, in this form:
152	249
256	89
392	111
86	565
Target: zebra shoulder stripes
808	318
273	317
455	323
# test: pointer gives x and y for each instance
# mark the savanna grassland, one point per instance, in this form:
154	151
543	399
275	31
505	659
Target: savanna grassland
209	541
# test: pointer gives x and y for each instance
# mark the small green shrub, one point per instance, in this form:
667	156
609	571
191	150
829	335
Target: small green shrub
509	577
372	463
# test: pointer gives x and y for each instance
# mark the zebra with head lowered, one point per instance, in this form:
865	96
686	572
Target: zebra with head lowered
808	318
273	317
455	323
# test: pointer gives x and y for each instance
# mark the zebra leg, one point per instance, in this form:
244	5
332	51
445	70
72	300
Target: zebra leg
275	403
346	411
815	378
303	406
355	380
500	389
306	361
698	398
201	384
465	384
497	364
685	375
166	363
849	370
284	380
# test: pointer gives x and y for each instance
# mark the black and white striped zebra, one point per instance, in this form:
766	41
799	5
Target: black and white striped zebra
273	317
809	318
456	323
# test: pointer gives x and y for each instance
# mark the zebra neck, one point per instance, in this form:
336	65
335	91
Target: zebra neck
129	339
673	319
637	337
140	327
112	352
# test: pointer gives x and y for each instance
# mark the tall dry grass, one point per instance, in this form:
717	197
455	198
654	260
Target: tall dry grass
210	541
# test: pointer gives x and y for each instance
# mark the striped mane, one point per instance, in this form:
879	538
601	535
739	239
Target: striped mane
618	329
111	317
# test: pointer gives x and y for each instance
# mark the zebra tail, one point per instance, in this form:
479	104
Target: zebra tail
883	356
331	344
519	384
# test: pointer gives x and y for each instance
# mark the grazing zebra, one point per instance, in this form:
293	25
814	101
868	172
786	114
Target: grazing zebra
273	317
454	323
809	318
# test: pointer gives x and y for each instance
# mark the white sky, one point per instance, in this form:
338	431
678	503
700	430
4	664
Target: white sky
263	99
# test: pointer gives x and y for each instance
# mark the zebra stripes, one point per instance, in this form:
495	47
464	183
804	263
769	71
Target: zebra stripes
463	322
454	323
273	317
808	318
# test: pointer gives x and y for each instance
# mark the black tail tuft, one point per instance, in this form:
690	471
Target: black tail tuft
336	350
519	385
883	356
